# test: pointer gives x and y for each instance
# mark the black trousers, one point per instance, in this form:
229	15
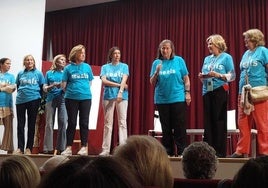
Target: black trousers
31	108
172	118
215	120
73	107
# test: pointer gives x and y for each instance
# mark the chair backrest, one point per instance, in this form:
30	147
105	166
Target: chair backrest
231	120
195	183
225	183
157	124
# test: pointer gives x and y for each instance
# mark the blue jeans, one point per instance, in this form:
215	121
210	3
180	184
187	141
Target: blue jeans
56	104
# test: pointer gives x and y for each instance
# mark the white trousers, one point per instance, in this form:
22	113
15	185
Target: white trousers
121	109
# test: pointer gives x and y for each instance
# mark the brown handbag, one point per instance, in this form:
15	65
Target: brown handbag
258	93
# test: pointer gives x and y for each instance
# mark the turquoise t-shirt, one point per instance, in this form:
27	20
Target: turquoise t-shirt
6	98
53	76
114	73
29	84
170	85
222	64
78	77
253	64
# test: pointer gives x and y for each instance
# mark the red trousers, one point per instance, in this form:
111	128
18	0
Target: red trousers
245	122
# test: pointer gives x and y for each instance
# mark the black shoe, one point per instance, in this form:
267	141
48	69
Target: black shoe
48	152
59	152
234	155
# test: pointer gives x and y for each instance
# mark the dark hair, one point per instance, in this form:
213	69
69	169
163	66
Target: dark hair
102	172
63	174
110	53
199	161
254	173
159	54
3	60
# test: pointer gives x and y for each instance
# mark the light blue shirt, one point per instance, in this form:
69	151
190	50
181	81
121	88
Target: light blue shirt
53	76
169	87
29	84
222	64
253	64
6	98
78	77
114	73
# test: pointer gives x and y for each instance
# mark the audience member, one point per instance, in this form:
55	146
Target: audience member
199	161
114	75
147	159
62	174
52	163
7	87
170	77
104	172
55	101
253	174
19	171
76	82
29	84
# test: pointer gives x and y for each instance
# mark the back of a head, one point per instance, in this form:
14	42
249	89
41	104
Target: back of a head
147	159
61	175
199	161
52	163
19	171
103	172
254	173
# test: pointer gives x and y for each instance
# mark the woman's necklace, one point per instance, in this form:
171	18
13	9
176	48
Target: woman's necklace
213	62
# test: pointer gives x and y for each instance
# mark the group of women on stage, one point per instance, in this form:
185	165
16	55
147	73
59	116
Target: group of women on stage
68	92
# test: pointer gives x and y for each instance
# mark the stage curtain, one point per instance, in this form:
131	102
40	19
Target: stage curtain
138	27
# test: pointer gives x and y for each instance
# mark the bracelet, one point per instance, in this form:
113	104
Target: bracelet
187	91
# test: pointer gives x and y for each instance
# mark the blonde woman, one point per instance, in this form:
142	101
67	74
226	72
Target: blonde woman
76	82
29	85
147	159
19	171
253	67
217	72
55	102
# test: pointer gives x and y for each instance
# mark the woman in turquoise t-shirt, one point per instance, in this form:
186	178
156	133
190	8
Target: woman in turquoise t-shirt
114	76
76	82
169	75
29	84
253	67
55	102
7	87
217	72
